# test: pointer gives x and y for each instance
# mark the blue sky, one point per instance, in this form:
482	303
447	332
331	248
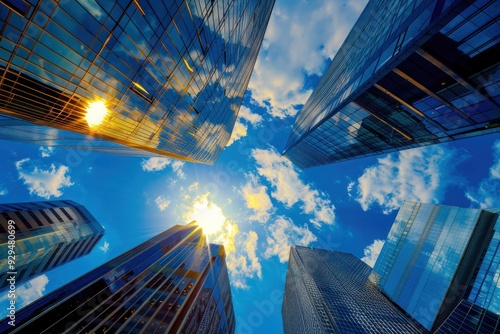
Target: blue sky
260	201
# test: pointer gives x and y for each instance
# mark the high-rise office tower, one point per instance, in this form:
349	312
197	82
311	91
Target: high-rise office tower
442	263
334	292
47	234
409	74
129	77
173	283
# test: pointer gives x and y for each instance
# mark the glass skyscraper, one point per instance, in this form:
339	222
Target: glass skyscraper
173	283
129	77
409	74
47	234
439	261
334	292
469	318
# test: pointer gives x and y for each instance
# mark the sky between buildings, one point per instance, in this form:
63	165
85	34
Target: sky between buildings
259	202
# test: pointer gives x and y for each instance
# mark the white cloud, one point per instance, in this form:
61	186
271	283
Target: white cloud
495	169
3	190
162	202
350	186
257	199
32	290
411	175
290	189
241	254
44	183
177	167
26	293
283	233
372	252
156	164
488	191
240	129
300	37
46	151
250	117
194	186
105	247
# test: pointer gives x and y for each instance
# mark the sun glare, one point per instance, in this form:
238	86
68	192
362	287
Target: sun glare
208	215
96	111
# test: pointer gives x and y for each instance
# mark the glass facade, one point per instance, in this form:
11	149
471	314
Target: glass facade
164	77
409	74
333	292
435	256
173	283
47	234
485	289
468	318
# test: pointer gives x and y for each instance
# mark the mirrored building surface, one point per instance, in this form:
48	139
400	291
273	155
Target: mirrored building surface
139	77
46	235
334	292
409	74
440	263
173	283
469	318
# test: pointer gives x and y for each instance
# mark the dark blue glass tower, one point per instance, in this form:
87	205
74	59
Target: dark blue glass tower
333	292
409	74
173	283
162	77
441	264
47	235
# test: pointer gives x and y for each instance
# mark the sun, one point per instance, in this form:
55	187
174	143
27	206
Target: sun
96	111
208	215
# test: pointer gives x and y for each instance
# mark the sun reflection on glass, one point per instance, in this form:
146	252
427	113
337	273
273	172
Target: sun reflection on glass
96	111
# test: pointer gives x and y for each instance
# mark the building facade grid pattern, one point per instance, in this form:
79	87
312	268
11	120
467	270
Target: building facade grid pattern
469	318
435	256
174	282
48	234
333	292
390	87
172	73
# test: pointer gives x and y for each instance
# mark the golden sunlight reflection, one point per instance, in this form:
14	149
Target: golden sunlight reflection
96	111
140	87
208	215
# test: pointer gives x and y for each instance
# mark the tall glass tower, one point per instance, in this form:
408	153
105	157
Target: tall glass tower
333	292
439	261
411	73
47	234
128	77
173	283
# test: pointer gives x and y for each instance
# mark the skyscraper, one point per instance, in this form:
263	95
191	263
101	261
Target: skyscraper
334	292
439	261
173	283
47	234
409	74
128	77
470	318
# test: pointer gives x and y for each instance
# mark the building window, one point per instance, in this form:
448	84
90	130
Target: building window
142	92
18	6
66	213
57	215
